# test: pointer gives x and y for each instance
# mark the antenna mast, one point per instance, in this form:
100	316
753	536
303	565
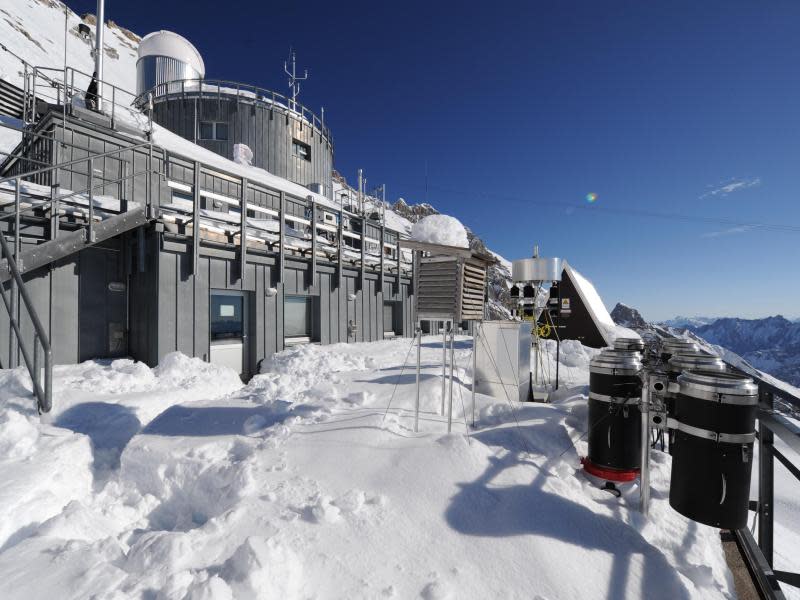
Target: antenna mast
294	80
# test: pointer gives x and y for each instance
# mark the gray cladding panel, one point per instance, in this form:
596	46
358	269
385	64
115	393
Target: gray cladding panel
269	133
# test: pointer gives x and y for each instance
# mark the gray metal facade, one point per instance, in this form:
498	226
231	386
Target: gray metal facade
268	131
144	294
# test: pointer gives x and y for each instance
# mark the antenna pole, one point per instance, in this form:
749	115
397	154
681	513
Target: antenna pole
98	50
294	80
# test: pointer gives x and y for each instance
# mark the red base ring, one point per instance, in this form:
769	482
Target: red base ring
609	474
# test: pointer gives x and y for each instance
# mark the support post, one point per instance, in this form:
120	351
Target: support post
313	242
281	238
13	317
243	234
419	358
382	251
475	366
450	385
644	472
766	482
340	249
98	51
196	219
90	236
363	251
54	208
444	366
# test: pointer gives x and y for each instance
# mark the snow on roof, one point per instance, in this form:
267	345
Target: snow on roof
597	310
168	43
440	229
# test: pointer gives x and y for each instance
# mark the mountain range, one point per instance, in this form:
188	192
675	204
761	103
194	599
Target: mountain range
771	344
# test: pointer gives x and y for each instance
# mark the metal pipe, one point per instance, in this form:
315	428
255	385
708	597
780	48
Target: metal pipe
419	358
90	237
474	366
644	473
12	357
450	386
98	50
444	365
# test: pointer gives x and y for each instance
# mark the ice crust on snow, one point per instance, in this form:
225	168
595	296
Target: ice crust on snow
440	229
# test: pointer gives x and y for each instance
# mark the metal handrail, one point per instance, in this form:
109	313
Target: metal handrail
42	170
234	88
40	136
44	396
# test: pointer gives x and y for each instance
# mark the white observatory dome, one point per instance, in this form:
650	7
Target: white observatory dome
166	56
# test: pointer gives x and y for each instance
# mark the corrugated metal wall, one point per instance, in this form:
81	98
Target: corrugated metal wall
268	132
181	300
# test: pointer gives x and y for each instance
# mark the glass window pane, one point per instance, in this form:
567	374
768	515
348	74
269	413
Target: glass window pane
222	131
226	317
388	316
206	130
297	316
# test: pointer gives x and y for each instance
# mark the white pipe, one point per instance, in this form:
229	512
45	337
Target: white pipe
474	367
419	356
98	50
450	387
444	365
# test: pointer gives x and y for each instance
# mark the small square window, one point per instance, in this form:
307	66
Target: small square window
301	150
213	130
206	130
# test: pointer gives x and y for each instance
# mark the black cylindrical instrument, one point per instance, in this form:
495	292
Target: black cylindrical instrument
712	449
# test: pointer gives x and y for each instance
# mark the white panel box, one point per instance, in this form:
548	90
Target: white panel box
503	359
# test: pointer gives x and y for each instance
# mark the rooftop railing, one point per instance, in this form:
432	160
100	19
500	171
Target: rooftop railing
241	92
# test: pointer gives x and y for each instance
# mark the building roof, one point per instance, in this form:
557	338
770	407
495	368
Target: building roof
168	43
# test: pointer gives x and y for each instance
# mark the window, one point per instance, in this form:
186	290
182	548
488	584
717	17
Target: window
301	150
226	317
297	317
388	317
213	130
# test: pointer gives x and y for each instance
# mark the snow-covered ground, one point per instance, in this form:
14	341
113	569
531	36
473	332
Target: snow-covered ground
309	482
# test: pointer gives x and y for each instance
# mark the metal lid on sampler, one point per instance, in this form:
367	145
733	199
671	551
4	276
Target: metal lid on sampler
713	385
617	360
629	343
678	345
696	361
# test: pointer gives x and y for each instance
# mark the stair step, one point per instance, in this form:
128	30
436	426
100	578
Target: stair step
69	243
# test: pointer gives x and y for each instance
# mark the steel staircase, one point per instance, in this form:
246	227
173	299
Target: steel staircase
40	224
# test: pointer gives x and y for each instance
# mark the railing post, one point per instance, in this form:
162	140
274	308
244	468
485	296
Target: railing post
113	104
766	482
281	238
243	234
12	354
196	219
90	186
54	208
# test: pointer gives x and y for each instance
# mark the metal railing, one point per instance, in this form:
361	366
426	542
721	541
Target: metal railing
771	423
82	201
43	390
61	86
241	92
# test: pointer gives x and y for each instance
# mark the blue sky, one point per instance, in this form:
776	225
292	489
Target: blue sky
517	110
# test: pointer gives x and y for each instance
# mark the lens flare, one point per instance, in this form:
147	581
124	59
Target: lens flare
591	197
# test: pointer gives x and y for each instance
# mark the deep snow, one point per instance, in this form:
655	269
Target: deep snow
178	482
